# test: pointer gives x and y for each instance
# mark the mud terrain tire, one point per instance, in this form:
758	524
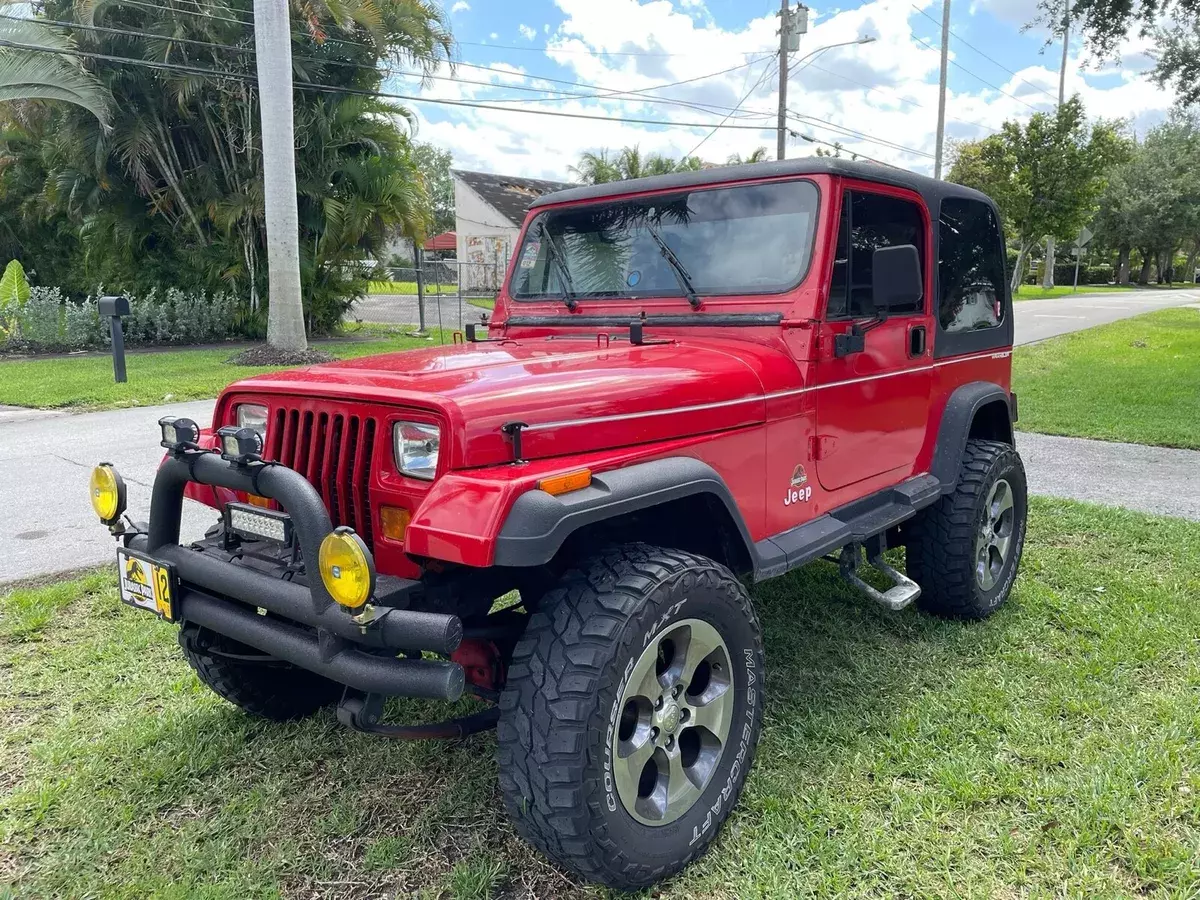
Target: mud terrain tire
565	706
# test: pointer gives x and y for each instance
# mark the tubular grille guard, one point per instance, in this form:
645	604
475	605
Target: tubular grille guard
334	452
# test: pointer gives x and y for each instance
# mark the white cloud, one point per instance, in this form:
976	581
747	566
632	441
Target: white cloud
887	89
527	32
460	6
493	35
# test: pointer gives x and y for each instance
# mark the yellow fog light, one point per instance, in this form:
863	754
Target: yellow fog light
107	490
346	568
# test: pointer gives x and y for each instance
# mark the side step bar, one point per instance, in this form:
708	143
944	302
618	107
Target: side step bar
903	590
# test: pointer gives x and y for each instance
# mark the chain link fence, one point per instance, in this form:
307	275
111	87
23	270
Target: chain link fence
453	293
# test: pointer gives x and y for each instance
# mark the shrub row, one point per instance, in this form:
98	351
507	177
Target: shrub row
50	322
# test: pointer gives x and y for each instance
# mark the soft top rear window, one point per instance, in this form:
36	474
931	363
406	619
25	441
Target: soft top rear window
747	239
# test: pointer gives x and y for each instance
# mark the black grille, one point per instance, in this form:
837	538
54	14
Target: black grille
334	452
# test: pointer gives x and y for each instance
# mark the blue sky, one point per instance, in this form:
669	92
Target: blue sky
878	99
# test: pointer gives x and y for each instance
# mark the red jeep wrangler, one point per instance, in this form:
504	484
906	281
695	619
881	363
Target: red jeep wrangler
690	383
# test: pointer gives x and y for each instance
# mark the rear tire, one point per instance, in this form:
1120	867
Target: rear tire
965	549
274	690
616	785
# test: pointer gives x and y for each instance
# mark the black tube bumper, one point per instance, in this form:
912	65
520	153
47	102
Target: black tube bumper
304	625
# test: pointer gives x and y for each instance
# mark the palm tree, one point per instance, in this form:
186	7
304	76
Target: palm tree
37	75
595	168
600	167
759	154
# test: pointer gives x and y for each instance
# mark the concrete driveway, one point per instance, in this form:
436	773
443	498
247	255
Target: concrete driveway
1036	320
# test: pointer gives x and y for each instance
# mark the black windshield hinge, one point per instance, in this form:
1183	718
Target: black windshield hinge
513	431
636	337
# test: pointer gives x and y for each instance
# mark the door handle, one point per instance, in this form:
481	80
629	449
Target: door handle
916	341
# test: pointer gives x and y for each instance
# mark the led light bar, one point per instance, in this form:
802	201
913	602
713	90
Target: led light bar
258	524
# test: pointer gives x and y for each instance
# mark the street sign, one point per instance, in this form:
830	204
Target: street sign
1085	235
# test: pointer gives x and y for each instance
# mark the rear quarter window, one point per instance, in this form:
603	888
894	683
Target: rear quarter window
970	267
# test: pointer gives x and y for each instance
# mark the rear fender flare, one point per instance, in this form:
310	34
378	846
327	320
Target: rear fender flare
539	523
955	428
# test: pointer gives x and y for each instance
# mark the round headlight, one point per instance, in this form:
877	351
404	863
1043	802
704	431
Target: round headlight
107	491
346	568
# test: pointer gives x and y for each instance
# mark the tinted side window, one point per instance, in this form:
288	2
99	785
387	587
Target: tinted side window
970	267
870	221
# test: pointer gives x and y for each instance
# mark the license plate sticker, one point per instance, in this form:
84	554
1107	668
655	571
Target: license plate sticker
147	584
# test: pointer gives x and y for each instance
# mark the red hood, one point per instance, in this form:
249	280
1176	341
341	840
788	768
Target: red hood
574	395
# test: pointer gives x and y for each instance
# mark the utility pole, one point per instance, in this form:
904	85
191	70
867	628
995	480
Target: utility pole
941	120
1062	72
792	24
273	49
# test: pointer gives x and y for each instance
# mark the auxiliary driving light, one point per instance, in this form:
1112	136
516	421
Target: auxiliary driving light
240	445
179	433
258	524
346	567
107	490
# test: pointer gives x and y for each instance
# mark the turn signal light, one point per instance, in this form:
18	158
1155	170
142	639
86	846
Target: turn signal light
564	484
395	522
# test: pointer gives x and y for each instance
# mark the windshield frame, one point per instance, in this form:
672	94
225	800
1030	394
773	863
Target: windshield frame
539	217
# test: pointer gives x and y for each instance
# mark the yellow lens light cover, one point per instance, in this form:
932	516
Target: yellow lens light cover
564	484
347	569
107	492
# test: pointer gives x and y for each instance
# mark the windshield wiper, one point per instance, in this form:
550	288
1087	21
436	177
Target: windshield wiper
556	257
681	273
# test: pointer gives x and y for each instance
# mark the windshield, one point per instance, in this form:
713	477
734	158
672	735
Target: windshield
754	239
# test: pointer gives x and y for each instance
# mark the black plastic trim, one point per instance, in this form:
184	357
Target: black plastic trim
538	522
960	411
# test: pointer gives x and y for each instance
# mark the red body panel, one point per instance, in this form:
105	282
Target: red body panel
793	431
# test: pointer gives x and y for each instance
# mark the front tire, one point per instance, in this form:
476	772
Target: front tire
271	689
964	550
631	714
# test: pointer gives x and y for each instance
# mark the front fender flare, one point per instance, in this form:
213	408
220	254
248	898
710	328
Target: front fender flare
539	523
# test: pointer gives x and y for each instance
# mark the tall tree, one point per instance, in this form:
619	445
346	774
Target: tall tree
30	75
1046	175
434	163
600	167
757	155
172	194
1105	24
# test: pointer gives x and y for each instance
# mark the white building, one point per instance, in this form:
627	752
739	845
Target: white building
488	212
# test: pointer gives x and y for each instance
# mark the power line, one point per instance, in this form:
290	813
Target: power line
978	78
861	135
329	88
971	46
761	78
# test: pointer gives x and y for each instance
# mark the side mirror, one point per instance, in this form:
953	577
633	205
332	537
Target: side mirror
896	277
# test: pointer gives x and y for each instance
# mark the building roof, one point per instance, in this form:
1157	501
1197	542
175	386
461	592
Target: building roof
447	240
929	188
508	195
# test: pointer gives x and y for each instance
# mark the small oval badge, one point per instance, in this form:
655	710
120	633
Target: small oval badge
634	277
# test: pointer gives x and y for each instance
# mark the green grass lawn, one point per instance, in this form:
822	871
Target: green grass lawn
86	381
1030	292
1136	380
1053	750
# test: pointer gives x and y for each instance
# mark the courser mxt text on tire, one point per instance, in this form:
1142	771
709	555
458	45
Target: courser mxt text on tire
631	714
965	549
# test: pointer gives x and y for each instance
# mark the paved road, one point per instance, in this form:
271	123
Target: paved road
401	309
1036	320
48	524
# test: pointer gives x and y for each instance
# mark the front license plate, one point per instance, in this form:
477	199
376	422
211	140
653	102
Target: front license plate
147	584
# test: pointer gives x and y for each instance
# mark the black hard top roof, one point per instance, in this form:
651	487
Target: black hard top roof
933	191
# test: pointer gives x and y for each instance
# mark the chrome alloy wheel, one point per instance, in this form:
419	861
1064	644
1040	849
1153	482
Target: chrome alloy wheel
674	719
995	536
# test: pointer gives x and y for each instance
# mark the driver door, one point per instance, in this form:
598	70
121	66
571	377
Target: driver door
872	404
